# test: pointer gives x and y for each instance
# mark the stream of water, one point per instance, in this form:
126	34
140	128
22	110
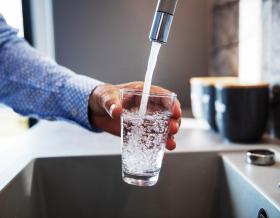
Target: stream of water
148	77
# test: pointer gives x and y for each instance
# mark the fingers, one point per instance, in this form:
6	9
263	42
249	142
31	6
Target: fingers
173	126
110	101
176	110
100	99
116	111
170	143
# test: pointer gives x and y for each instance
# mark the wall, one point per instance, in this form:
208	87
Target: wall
108	40
274	45
42	26
245	39
225	41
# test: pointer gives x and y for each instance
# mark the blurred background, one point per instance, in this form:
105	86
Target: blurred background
108	39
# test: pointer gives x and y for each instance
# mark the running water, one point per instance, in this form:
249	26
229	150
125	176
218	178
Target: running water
149	75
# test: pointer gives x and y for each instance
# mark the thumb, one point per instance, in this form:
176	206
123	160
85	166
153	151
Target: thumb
112	105
115	110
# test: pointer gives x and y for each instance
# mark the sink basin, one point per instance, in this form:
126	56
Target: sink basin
195	185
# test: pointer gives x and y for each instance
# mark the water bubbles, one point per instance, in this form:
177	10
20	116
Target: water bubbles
143	142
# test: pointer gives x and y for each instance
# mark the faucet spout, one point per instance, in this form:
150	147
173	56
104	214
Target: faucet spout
162	21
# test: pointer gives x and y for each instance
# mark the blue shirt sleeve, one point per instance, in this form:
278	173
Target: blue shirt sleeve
35	85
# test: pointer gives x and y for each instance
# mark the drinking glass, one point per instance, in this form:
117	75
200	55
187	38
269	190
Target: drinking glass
144	135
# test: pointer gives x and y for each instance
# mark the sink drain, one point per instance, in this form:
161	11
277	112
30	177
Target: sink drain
262	213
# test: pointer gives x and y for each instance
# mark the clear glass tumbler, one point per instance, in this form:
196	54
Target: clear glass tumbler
144	136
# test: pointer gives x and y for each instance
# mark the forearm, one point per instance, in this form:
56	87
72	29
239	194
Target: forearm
35	85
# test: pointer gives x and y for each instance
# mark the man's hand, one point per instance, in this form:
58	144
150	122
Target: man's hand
105	109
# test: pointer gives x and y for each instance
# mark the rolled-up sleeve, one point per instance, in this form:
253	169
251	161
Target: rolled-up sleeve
35	85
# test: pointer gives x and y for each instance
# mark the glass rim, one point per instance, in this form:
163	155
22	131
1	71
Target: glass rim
151	94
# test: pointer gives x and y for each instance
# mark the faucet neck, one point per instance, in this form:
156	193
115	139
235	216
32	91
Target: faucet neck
167	6
162	21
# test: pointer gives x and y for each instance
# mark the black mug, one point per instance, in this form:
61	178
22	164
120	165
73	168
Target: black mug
203	98
242	110
275	111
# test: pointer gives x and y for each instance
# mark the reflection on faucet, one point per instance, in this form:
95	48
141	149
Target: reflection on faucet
162	20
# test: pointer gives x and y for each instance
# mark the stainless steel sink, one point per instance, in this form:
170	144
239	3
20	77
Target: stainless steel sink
195	185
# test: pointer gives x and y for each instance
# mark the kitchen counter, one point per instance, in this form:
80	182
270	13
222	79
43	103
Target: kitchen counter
57	139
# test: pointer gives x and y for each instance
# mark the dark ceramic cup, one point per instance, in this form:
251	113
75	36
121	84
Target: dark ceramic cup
276	111
242	110
203	98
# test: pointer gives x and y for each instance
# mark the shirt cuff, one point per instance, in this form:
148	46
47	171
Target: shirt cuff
75	96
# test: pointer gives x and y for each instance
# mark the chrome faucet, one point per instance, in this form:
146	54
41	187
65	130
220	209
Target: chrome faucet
162	20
